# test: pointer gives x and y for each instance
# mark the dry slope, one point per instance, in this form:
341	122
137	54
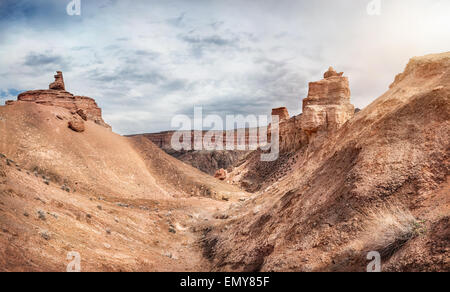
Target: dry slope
123	208
379	183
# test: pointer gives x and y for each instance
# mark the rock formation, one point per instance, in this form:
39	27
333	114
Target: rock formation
281	112
72	180
59	82
332	73
206	161
325	110
221	174
82	114
378	183
327	106
84	106
292	137
76	125
388	166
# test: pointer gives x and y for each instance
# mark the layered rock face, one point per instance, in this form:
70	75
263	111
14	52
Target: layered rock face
77	126
58	96
349	194
327	106
292	137
281	112
325	110
206	161
59	82
164	139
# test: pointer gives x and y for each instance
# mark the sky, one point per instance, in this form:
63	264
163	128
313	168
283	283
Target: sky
146	61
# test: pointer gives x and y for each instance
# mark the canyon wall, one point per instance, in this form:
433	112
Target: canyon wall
326	108
206	161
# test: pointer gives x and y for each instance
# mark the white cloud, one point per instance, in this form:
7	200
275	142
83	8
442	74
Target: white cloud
145	62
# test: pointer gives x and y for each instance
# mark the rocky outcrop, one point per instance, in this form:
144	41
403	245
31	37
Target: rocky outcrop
332	73
327	106
85	107
281	112
164	139
325	110
221	174
77	126
379	183
206	161
210	161
82	114
59	82
292	137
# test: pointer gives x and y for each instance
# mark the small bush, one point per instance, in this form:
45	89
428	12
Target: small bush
389	228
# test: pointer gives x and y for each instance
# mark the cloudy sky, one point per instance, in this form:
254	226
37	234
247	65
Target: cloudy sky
146	61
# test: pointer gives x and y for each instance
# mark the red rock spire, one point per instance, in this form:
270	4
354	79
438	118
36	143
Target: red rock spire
59	82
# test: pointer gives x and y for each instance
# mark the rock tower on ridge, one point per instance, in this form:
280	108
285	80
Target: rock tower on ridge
83	106
281	112
59	82
327	106
332	73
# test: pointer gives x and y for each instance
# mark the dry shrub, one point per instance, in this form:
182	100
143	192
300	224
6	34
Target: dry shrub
388	228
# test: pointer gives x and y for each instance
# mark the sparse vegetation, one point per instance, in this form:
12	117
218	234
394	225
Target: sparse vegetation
303	218
45	235
65	188
390	227
41	215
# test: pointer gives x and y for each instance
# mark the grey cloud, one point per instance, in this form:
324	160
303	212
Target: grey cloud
215	40
175	85
177	21
268	50
35	59
147	54
204	43
217	24
111	47
231	105
127	74
46	61
80	48
135	67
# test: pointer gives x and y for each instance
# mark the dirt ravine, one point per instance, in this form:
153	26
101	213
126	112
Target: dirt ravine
378	183
121	203
377	180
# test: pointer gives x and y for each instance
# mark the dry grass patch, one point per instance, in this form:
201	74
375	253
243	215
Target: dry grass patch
388	228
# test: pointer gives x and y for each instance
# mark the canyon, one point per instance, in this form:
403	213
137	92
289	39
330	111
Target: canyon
326	108
345	183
